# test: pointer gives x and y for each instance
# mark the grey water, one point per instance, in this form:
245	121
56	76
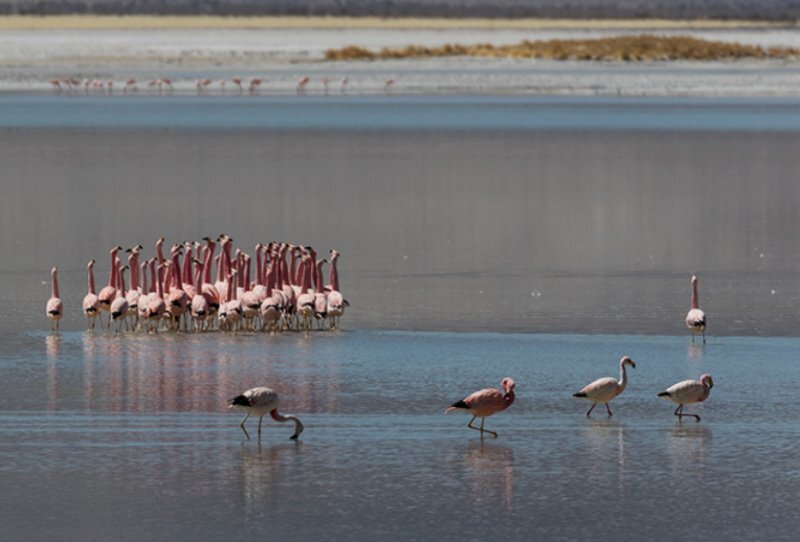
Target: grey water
540	239
128	438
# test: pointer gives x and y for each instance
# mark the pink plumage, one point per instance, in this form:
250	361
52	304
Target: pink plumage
484	403
687	392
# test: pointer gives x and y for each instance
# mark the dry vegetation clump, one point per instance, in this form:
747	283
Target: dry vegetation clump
631	48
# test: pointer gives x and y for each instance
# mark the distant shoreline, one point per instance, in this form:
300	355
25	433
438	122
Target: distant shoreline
113	22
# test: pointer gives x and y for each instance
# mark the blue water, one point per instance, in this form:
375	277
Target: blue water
397	112
129	438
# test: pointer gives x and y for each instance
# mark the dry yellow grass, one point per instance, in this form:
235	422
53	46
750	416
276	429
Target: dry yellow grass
91	22
630	48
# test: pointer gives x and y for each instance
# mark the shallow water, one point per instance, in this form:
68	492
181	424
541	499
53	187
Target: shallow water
128	437
590	215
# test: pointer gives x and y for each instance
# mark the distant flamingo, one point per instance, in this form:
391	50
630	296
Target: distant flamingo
343	85
695	318
238	82
301	84
336	301
54	309
605	389
255	82
56	85
129	84
166	81
388	85
687	392
260	401
91	306
484	403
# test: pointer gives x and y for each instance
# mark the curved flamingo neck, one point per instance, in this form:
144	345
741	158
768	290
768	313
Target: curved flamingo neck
623	376
298	425
509	398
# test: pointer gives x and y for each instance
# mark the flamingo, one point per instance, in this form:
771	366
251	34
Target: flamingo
695	318
129	84
156	307
687	392
238	82
55	308
199	307
605	389
90	304
255	82
260	401
388	84
343	85
301	84
484	403
108	293
56	85
119	307
306	300
336	302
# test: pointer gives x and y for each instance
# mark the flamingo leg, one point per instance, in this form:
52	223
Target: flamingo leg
260	419
704	336
609	410
589	414
242	425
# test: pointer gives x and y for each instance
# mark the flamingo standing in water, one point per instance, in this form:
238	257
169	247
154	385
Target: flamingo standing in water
605	389
260	401
484	403
687	392
90	304
54	308
301	84
695	318
336	302
108	293
238	82
255	82
119	307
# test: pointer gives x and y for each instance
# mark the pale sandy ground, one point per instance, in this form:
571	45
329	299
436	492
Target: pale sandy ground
281	50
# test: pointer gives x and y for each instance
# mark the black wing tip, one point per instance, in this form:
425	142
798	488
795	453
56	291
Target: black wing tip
664	394
240	400
460	404
579	394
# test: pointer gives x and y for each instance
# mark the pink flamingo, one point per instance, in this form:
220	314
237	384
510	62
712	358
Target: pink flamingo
156	307
108	293
260	401
119	307
199	308
336	301
91	306
238	82
255	82
484	403
605	389
301	84
56	85
695	318
687	392
177	300
135	292
54	308
321	296
251	305
305	301
144	299
166	81
129	84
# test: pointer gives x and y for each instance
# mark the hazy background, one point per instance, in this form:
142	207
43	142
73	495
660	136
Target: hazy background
741	9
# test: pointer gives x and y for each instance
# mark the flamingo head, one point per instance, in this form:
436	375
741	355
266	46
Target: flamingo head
90	264
694	279
707	381
627	361
508	384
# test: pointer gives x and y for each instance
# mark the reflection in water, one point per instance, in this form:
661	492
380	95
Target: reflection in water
490	475
696	351
606	440
263	469
689	444
53	348
133	373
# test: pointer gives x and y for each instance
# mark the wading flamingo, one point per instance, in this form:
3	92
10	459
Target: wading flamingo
108	293
91	305
119	307
301	84
260	401
484	403
687	392
54	309
695	318
605	389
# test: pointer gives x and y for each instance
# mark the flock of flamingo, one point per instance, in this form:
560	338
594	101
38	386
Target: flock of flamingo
203	85
182	295
288	295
